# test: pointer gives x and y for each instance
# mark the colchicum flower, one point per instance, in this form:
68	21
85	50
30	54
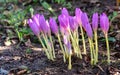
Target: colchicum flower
73	23
104	23
36	19
86	25
78	14
65	12
53	26
43	25
95	27
95	21
34	27
69	37
51	41
64	21
45	28
88	29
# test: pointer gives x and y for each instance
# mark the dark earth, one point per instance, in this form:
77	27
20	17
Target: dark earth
27	58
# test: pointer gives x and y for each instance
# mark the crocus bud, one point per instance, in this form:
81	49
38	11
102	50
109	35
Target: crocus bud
73	23
64	21
78	14
65	12
86	25
95	21
84	20
34	27
53	26
104	23
36	19
43	25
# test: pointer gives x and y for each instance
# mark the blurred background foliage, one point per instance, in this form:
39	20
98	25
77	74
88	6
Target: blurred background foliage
14	15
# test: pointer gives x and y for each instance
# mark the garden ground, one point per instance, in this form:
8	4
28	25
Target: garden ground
27	58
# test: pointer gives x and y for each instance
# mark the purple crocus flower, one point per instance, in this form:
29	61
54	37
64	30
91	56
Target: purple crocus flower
73	23
43	25
64	21
104	23
84	20
34	27
95	21
86	25
65	12
78	14
36	19
53	26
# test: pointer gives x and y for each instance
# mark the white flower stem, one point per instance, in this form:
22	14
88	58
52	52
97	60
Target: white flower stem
96	46
108	50
83	39
63	51
48	45
44	47
91	51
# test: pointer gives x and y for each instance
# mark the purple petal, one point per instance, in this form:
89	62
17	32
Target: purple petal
48	27
65	12
36	19
73	23
84	20
89	30
64	21
95	21
104	23
53	26
86	25
78	14
43	25
34	27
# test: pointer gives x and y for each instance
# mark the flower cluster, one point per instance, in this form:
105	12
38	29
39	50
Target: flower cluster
67	33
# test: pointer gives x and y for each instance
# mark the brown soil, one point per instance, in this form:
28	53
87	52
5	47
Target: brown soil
25	59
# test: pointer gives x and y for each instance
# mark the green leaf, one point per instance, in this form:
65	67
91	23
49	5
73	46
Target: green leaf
115	14
2	1
67	5
44	42
111	39
28	51
25	30
59	1
31	11
48	7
